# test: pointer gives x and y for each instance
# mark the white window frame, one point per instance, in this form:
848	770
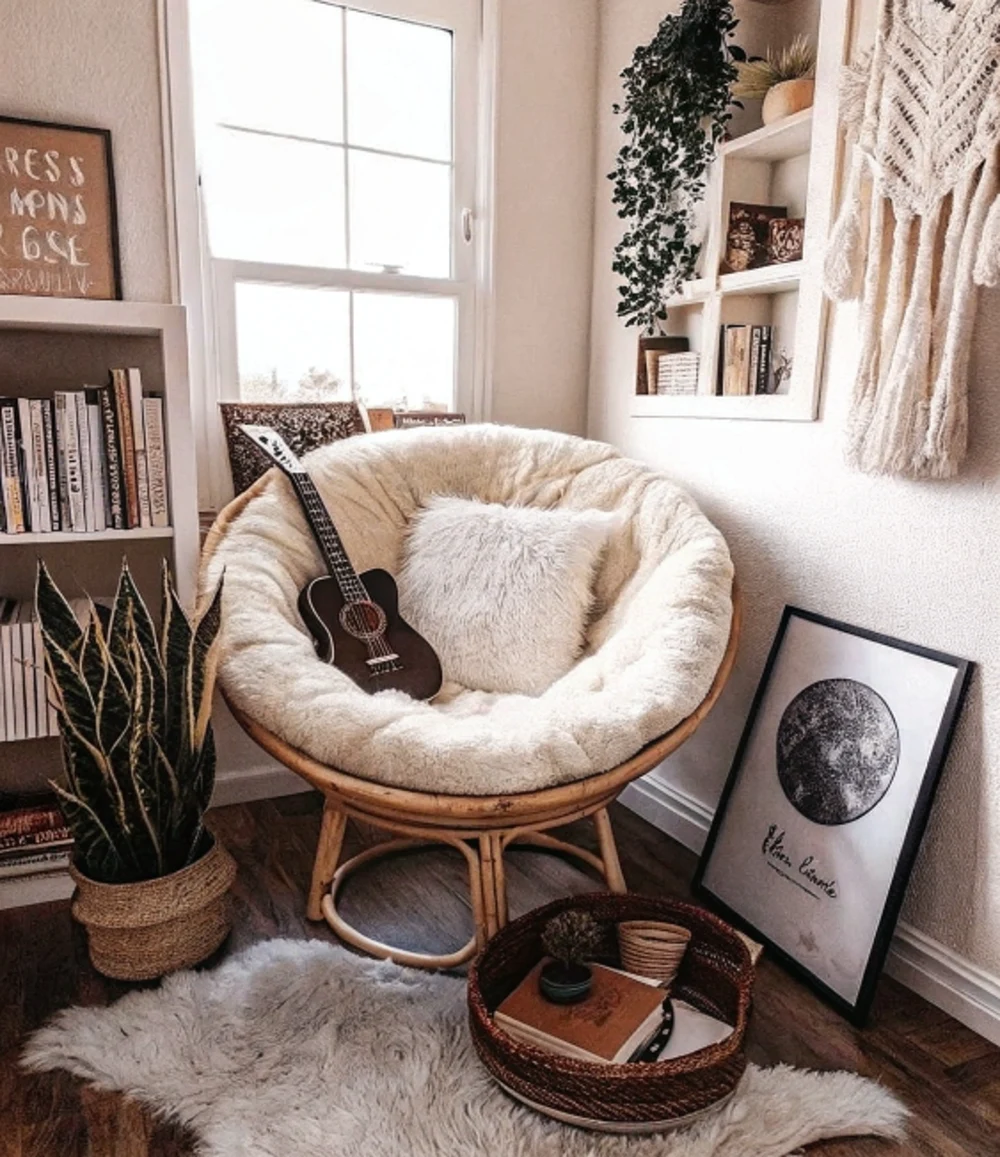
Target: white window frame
207	286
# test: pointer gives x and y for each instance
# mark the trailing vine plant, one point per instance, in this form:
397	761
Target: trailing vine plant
675	109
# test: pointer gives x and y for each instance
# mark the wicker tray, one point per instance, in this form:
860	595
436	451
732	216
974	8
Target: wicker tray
716	976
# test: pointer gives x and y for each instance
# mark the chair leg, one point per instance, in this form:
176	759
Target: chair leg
609	852
331	840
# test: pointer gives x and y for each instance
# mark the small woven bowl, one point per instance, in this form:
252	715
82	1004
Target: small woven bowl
653	948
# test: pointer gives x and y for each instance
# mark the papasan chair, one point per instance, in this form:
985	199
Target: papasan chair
476	771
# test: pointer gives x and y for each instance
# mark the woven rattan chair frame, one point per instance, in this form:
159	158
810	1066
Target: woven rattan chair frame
480	828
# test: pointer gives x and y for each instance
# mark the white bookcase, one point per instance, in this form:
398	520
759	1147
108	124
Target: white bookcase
49	344
793	162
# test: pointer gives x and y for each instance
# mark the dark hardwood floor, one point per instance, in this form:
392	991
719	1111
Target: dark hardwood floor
949	1076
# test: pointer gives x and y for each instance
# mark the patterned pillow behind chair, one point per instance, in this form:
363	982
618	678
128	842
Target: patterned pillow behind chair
303	425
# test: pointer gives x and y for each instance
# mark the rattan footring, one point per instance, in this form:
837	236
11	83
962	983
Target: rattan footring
483	852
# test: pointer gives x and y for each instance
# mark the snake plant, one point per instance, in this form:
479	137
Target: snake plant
134	707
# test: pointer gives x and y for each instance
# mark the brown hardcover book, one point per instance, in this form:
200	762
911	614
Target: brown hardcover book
616	1019
123	412
24	821
32	841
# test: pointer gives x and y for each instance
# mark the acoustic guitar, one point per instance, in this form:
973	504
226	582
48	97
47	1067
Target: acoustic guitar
354	619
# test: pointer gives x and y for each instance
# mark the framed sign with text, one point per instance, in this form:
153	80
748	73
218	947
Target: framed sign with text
831	788
58	219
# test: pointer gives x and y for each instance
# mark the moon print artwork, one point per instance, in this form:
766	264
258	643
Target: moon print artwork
822	815
837	750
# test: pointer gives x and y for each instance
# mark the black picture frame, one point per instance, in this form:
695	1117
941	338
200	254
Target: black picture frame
855	1011
111	202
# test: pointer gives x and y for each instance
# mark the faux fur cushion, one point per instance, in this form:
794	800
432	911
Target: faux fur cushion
657	633
502	593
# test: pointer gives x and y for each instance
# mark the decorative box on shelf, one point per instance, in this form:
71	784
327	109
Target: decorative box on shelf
677	373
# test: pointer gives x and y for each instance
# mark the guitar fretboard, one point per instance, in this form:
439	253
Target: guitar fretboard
331	547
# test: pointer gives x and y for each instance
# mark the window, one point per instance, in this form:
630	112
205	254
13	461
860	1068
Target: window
336	157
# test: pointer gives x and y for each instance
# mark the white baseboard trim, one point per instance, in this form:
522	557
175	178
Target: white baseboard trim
263	781
943	977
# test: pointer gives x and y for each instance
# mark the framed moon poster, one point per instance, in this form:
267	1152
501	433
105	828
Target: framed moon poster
823	812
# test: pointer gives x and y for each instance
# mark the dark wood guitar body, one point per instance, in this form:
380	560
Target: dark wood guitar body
416	669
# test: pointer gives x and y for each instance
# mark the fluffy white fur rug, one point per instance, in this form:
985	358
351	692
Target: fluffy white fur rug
299	1048
661	615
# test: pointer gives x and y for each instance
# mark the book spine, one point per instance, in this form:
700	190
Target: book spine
25	465
86	460
754	361
13	495
139	437
7	665
59	412
74	470
123	413
98	471
34	863
38	464
112	456
156	458
28	680
764	369
16	672
51	465
24	821
43	839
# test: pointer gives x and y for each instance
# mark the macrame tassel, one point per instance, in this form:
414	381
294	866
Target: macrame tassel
844	265
866	383
987	271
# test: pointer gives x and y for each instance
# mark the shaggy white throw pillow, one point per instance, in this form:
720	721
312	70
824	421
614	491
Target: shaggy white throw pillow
502	593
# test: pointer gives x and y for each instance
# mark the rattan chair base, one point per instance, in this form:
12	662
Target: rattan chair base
480	828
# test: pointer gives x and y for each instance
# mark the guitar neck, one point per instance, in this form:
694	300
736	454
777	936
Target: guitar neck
328	539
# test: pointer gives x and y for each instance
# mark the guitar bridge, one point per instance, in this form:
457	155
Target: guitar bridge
381	659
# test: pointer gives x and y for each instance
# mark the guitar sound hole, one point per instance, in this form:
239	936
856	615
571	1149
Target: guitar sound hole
363	620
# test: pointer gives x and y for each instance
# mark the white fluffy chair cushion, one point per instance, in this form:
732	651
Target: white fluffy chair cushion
502	593
660	622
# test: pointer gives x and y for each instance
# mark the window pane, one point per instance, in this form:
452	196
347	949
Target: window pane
400	215
399	81
404	350
271	64
275	200
293	343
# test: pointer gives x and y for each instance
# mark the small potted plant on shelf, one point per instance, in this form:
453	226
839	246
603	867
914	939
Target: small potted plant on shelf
571	939
784	80
134	709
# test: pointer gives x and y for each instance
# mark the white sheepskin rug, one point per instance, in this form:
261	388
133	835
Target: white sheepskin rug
299	1049
659	622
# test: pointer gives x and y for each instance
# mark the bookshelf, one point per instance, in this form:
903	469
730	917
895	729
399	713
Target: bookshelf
793	162
49	344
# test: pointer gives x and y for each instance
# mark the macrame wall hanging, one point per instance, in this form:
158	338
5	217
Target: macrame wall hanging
919	230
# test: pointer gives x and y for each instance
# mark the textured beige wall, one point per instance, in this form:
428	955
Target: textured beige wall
94	62
544	207
914	560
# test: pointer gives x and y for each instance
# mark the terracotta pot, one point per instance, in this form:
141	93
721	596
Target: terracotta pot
144	930
787	98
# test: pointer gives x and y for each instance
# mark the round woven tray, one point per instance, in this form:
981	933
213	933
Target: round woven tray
716	977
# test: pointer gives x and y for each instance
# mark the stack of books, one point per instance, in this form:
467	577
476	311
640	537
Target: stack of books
34	841
677	373
26	710
83	460
744	360
624	1018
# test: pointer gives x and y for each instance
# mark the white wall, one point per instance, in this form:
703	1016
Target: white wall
914	560
544	205
94	62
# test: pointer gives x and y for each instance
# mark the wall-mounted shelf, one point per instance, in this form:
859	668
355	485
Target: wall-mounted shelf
792	163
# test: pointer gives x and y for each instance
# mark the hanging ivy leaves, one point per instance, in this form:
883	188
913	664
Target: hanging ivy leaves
675	110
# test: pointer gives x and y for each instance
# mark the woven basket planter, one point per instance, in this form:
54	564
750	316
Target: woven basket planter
144	930
716	976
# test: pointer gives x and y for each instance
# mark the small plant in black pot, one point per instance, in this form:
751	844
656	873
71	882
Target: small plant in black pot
571	939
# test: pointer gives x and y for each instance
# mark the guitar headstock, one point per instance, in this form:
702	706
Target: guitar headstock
275	447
